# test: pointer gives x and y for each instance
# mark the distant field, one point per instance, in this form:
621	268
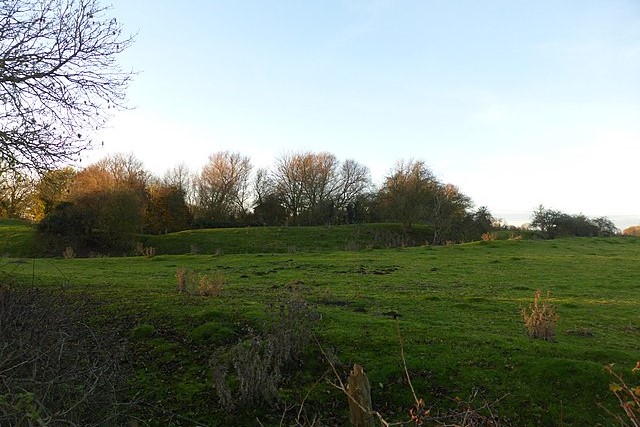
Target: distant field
457	308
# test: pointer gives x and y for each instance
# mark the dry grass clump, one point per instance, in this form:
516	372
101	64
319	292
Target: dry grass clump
146	251
205	285
541	318
211	285
68	253
183	277
149	252
489	236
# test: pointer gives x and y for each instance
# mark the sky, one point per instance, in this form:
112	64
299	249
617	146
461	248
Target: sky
518	103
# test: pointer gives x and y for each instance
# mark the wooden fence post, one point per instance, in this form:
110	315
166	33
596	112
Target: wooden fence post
361	414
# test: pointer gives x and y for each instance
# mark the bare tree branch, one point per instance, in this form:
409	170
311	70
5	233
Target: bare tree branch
58	78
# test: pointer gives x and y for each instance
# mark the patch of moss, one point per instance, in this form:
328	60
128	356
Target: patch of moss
211	332
141	331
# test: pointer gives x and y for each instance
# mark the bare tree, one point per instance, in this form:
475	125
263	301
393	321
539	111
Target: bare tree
223	186
263	186
287	176
58	78
320	178
182	178
354	182
316	188
126	170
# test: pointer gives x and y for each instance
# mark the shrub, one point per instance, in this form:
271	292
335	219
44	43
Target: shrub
634	231
540	321
252	370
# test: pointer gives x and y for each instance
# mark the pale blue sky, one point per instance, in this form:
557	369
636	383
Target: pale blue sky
517	102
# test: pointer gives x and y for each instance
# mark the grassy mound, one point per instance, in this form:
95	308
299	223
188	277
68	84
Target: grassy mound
288	239
19	239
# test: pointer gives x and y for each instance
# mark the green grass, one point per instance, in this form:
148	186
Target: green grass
17	238
458	310
287	239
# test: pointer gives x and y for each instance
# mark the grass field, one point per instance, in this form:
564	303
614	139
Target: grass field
457	310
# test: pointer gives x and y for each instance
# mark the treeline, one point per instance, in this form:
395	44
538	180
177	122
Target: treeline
107	202
104	205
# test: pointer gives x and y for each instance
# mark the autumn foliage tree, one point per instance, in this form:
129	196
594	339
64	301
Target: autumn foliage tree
105	205
634	231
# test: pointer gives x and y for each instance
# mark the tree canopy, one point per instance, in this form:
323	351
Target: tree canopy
553	223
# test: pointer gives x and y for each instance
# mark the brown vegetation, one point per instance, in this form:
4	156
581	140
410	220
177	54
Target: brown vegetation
633	231
55	369
205	285
541	318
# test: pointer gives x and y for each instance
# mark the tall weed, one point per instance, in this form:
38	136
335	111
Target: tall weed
541	318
